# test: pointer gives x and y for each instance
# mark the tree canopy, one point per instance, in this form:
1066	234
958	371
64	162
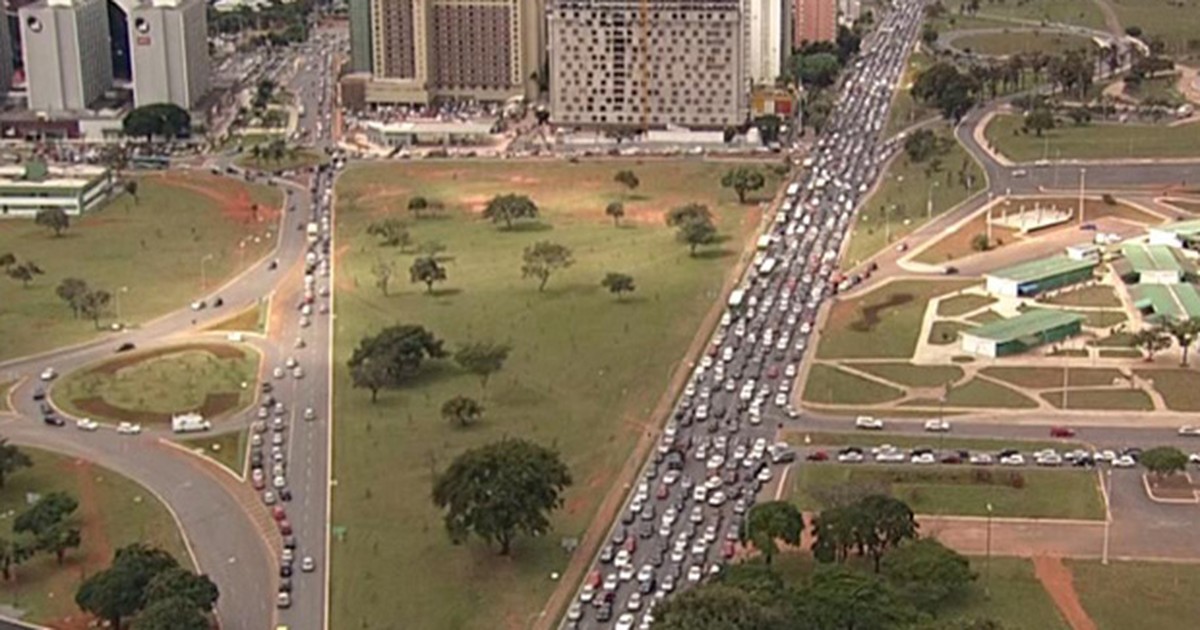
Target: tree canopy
927	574
952	91
122	590
427	270
616	211
12	459
392	357
772	521
482	358
508	208
165	120
815	70
56	219
391	232
462	410
543	258
627	178
1164	460
618	283
742	180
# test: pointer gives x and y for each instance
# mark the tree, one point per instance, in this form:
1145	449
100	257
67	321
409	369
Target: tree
427	270
616	210
1038	120
841	598
834	533
160	119
391	232
949	89
628	179
501	490
1184	332
483	359
12	459
93	304
927	574
509	208
742	180
688	213
383	272
771	521
392	357
119	591
12	553
131	187
714	607
695	233
1163	460
885	522
7	259
171	613
929	34
462	410
1133	31
543	258
58	540
1151	340
417	205
24	272
920	145
52	509
980	243
815	70
618	283
769	127
54	218
198	590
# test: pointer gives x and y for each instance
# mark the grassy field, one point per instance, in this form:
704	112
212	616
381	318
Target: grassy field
123	513
1049	377
1137	594
300	159
1096	295
1174	22
1096	141
152	246
584	373
986	317
1180	389
945	333
960	242
963	304
900	204
1008	590
251	319
905	109
980	393
884	323
912	375
227	448
829	385
1103	399
1102	319
1077	12
157	385
1024	42
865	439
962	491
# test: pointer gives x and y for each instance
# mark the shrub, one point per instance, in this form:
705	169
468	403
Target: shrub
1109	199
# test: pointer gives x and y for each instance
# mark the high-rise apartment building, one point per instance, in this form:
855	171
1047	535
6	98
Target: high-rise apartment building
68	64
6	57
816	21
679	62
360	35
481	49
169	48
765	40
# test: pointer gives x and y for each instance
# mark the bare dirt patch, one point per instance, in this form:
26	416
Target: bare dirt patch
218	350
234	200
1056	578
214	405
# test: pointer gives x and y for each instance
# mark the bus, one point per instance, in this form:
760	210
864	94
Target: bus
156	162
767	267
736	298
313	231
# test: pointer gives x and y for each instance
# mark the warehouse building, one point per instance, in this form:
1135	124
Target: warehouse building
1160	303
1021	333
1038	276
1149	264
1184	234
27	188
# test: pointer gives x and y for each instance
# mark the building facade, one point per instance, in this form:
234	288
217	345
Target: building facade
765	40
486	50
681	63
360	35
6	57
169	47
65	44
27	188
816	21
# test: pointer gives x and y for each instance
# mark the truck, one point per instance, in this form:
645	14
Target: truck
736	298
189	423
313	230
793	189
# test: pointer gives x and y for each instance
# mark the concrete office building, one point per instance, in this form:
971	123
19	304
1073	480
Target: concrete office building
169	47
6	57
360	35
816	21
75	188
765	40
485	50
68	63
682	63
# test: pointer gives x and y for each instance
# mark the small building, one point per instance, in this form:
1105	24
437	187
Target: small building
27	188
1150	264
1166	302
1038	276
1084	252
1181	234
430	132
1021	333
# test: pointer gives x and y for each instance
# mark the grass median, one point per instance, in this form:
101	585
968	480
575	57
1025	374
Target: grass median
1093	142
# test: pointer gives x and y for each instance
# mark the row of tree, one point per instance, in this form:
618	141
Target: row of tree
84	300
1158	338
148	585
47	526
21	271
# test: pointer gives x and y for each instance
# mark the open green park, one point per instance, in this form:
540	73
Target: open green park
227	449
1075	12
1021	42
1137	594
212	379
1094	141
905	109
1171	21
585	372
900	203
153	254
884	323
114	511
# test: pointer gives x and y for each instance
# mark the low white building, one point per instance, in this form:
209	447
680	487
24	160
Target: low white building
27	188
1181	234
429	132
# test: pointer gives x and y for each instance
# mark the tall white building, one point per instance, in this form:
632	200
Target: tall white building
849	11
764	54
168	42
68	63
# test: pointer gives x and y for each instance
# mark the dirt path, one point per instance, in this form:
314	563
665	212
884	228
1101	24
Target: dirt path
1111	21
1056	578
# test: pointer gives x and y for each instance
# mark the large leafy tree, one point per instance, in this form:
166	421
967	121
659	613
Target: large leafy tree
884	523
1038	121
49	511
482	358
1184	332
696	233
198	590
1164	460
391	233
688	213
618	283
815	70
715	607
742	180
120	591
949	89
845	599
12	553
508	208
24	272
427	270
927	574
56	219
393	356
543	258
1151	341
462	410
772	521
12	459
93	304
628	179
171	613
58	540
501	490
70	290
159	119
615	210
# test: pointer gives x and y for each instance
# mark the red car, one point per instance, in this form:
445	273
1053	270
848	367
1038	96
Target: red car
818	456
285	528
727	549
1062	432
594	579
631	545
279	513
773	372
663	492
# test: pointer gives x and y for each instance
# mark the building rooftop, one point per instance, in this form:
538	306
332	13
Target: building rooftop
1174	301
1028	324
1042	268
474	127
1182	228
49	175
1144	258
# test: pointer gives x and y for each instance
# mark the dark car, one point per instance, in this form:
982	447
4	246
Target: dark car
817	456
646	531
647	587
39	394
289	542
54	421
285	570
1062	432
604	614
126	347
217	303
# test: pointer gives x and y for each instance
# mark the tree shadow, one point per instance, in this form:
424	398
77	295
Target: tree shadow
713	254
528	226
447	292
630	300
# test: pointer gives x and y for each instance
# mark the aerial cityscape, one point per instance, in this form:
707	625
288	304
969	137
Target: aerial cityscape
600	314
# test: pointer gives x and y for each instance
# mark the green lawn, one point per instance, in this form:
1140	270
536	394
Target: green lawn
986	317
1077	12
1048	377
900	204
153	247
1007	590
1115	340
865	439
905	110
912	375
4	389
252	319
1137	594
125	513
584	373
159	385
883	323
980	393
1102	319
1106	399
1120	353
1158	89
1097	295
227	448
962	491
1095	141
829	385
299	159
1022	42
1180	389
1174	22
943	333
963	304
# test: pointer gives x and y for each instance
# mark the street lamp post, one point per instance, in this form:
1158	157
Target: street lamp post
1082	186
929	201
118	296
1107	515
987	562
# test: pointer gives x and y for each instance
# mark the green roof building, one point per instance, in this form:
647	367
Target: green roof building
1150	264
1018	334
1182	234
1164	302
1037	276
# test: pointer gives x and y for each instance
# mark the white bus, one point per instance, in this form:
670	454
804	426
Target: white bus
767	267
736	297
793	189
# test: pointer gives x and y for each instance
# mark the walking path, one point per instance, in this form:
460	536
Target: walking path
1056	578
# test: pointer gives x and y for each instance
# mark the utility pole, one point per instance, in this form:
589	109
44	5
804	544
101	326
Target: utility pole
929	201
1107	514
1082	181
987	562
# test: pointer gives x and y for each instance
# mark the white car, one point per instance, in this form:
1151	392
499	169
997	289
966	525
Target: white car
291	362
1013	460
890	456
309	414
937	426
868	422
1124	461
980	459
129	428
716	499
1188	430
625	621
298	372
277	372
49	374
86	424
924	459
279	481
587	594
694	573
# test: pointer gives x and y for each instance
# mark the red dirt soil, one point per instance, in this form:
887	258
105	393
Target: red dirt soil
1056	578
234	200
96	551
218	350
214	406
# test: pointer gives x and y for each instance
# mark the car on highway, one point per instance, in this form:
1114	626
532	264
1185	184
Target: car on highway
54	420
937	426
283	599
86	424
1062	432
126	347
869	423
129	428
307	564
49	374
1188	430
